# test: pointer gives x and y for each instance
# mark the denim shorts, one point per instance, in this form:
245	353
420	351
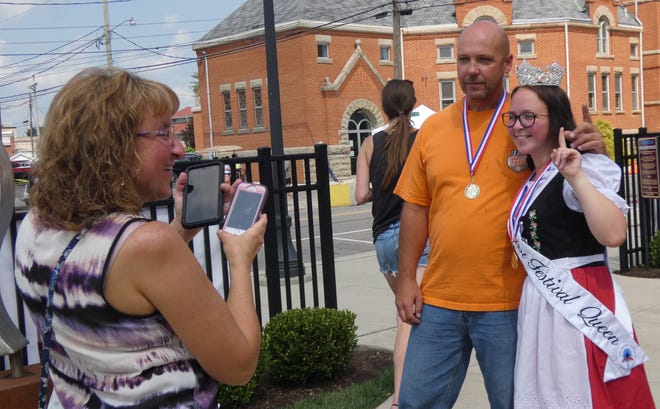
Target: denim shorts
387	250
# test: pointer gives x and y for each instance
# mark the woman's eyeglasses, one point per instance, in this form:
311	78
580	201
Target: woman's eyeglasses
526	119
162	133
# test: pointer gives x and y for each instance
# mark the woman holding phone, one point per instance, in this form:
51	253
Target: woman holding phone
128	312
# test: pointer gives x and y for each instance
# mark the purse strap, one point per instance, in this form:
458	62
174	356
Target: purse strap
45	350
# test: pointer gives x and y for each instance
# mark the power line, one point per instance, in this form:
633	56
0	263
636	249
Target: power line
13	3
131	37
73	27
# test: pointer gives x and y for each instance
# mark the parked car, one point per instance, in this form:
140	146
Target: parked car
181	164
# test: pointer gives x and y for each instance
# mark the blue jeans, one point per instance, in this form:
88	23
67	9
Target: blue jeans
439	351
387	250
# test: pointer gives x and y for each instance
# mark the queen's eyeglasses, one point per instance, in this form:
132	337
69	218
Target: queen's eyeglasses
526	119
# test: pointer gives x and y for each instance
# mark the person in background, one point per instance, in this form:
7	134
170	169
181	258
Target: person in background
576	344
379	165
458	184
134	321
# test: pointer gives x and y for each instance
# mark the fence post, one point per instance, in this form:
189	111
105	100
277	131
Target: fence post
270	238
618	158
325	226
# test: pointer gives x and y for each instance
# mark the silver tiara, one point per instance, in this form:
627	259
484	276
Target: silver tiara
529	75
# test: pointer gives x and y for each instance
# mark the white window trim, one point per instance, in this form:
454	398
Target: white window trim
592	80
445	42
608	46
254	86
605	91
634	41
526	37
618	83
634	92
241	128
325	40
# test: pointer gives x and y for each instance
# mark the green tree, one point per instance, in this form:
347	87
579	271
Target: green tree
188	136
31	131
194	84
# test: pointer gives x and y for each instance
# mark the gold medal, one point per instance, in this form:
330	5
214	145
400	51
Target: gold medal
472	191
514	260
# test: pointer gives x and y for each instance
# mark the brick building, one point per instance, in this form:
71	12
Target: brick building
335	57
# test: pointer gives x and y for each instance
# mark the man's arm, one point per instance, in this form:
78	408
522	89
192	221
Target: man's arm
413	234
586	137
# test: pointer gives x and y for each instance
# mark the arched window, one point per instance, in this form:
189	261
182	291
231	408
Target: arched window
359	128
603	36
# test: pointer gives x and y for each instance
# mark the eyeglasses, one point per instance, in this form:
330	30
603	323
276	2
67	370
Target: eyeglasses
526	119
163	133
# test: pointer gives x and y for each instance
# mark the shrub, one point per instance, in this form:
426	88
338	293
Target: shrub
607	132
654	251
309	344
234	396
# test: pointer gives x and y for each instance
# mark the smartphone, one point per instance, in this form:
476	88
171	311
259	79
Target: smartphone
202	196
245	208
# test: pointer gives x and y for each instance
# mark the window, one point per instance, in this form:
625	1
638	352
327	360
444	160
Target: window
591	96
226	100
258	108
447	93
242	109
323	48
526	45
385	53
603	36
618	102
634	51
635	92
605	84
526	48
445	52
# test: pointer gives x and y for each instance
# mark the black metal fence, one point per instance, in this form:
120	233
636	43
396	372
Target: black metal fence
295	269
644	215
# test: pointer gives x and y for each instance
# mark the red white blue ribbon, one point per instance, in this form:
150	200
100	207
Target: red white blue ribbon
524	197
473	161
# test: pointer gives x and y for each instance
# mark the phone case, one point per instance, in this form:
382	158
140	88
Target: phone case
246	206
202	196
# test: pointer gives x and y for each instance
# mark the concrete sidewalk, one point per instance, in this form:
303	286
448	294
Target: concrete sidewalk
361	289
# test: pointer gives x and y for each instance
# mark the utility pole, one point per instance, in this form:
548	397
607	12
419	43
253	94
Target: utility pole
36	106
31	128
396	37
106	34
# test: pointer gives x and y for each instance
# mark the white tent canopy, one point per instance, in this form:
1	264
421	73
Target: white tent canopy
418	116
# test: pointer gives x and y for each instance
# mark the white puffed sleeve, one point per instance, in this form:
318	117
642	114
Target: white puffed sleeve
605	175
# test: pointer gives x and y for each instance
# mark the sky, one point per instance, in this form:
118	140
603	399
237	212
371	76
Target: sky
43	43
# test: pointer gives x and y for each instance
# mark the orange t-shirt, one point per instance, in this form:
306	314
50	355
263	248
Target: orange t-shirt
470	265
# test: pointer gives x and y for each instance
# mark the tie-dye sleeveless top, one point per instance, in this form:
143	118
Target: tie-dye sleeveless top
100	357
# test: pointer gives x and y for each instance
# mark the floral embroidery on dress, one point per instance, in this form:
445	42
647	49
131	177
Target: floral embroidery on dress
533	234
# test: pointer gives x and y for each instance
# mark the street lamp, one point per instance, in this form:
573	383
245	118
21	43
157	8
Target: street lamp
107	30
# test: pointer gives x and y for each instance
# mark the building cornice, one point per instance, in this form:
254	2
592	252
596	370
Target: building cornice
313	26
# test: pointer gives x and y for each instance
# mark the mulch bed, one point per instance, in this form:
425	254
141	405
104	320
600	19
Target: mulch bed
366	363
641	272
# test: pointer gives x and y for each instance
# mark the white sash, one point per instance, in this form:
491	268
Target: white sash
584	311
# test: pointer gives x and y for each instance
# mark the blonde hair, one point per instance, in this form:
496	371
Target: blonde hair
87	160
